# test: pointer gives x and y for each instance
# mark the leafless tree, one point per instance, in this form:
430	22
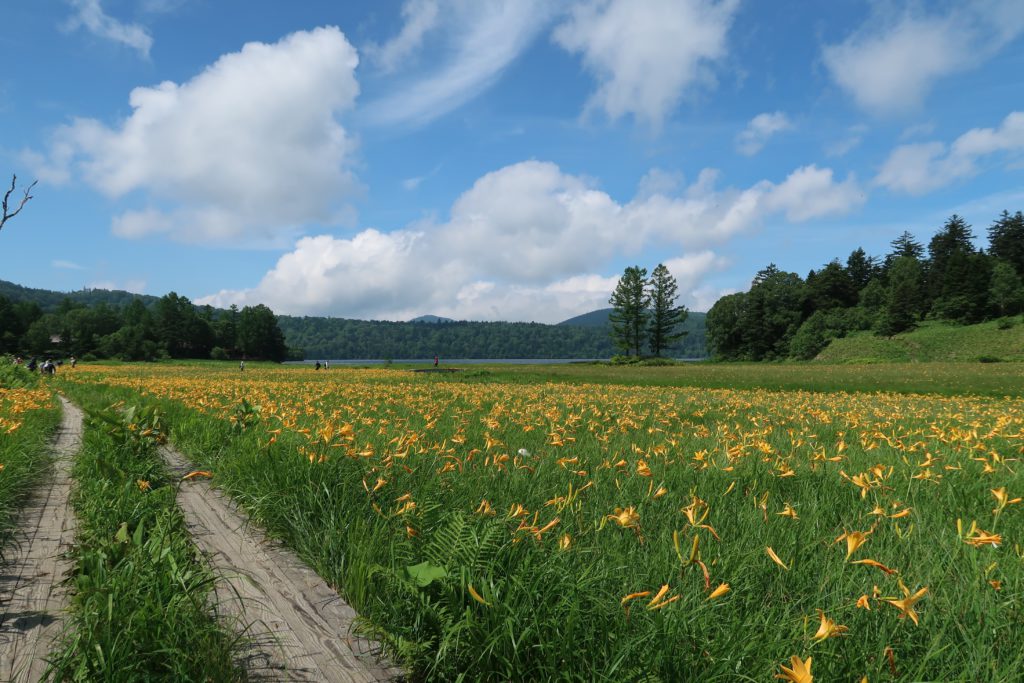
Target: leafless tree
21	205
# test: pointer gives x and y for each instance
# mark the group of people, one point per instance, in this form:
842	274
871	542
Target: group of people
47	367
325	365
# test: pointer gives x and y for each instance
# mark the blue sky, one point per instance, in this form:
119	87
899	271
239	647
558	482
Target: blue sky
493	159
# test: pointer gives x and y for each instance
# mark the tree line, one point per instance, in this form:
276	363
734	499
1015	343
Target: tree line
644	312
170	327
786	316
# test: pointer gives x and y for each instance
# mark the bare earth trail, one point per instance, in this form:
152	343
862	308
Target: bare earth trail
32	598
300	627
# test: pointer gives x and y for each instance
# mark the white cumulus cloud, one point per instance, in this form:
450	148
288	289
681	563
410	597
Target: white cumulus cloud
923	167
530	242
249	149
646	55
890	63
811	192
753	138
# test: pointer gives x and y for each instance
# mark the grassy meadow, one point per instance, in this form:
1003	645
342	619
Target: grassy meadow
594	523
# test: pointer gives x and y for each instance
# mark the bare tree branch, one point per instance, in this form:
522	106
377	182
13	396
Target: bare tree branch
7	196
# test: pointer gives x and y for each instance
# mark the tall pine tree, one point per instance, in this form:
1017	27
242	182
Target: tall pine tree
665	315
629	310
1006	240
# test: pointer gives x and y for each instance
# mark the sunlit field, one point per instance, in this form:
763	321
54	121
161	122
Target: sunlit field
564	524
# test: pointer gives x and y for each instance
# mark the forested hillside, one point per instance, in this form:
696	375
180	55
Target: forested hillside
139	328
786	316
342	338
108	324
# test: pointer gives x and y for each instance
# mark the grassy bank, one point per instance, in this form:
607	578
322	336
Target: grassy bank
28	416
544	531
997	340
141	606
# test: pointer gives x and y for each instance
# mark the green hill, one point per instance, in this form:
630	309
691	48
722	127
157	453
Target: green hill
933	341
49	300
598	318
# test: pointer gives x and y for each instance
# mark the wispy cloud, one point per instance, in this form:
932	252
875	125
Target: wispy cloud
89	14
420	17
923	167
843	146
753	138
482	37
414	182
891	63
66	265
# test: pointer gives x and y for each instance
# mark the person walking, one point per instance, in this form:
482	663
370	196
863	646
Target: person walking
435	361
241	365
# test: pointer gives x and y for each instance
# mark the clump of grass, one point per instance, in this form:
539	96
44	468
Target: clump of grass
141	596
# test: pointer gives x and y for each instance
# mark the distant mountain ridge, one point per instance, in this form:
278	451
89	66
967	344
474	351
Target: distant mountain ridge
431	319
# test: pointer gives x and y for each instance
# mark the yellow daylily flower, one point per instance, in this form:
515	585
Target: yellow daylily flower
854	540
476	596
876	565
722	589
797	672
627	518
788	511
906	605
827	629
775	558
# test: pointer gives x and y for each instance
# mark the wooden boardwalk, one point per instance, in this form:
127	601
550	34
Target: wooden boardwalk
32	597
299	628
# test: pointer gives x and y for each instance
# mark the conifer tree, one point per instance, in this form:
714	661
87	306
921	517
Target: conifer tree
1006	240
902	303
665	315
629	310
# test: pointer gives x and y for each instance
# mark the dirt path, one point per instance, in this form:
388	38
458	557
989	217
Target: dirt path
301	628
32	598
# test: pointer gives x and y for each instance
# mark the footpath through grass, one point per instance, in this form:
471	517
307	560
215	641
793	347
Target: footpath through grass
142	600
28	416
537	530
